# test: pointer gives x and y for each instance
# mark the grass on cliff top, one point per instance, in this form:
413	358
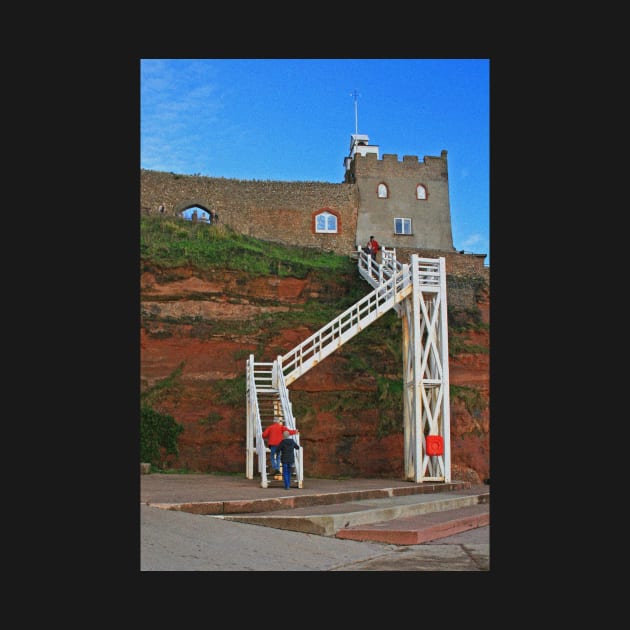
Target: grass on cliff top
175	242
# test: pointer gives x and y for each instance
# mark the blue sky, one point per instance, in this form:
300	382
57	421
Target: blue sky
291	120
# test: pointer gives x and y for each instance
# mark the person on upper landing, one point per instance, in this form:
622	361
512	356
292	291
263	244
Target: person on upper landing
273	435
373	246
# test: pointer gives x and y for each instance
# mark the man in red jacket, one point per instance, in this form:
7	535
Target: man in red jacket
374	246
273	435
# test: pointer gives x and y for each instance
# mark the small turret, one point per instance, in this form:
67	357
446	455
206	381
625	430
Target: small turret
359	143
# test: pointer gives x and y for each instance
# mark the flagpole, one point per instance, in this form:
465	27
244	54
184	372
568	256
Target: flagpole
356	115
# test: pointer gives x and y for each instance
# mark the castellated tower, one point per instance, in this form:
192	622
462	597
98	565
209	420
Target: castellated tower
403	204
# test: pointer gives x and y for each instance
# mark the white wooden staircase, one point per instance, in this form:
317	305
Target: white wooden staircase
418	293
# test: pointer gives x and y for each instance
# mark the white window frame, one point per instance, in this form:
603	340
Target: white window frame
405	225
329	223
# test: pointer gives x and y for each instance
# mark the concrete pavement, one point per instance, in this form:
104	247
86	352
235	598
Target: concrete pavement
189	523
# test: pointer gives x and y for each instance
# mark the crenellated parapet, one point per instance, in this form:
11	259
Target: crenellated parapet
430	167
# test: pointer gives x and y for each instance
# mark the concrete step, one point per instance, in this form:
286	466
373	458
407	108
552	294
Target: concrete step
401	519
415	530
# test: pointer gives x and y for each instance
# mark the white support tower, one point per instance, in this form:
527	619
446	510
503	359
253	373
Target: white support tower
426	405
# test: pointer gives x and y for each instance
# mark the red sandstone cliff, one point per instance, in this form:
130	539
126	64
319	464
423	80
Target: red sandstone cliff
201	321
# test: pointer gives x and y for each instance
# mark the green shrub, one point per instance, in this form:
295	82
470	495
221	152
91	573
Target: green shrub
158	436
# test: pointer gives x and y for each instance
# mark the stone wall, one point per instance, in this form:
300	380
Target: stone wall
457	263
283	212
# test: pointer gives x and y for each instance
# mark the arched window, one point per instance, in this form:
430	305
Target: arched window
382	191
326	222
421	192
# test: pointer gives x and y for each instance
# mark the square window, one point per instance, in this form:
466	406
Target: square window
402	226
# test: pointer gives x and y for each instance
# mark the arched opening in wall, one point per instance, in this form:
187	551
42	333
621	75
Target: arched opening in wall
198	213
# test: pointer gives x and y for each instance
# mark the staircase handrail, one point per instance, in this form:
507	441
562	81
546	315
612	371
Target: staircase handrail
253	371
374	273
289	418
283	392
393	287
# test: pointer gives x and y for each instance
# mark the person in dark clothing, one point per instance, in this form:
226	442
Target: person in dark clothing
287	450
274	434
